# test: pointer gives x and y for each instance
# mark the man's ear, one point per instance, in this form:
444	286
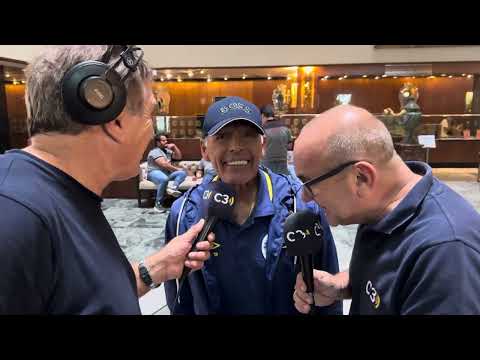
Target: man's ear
264	145
203	149
365	178
115	129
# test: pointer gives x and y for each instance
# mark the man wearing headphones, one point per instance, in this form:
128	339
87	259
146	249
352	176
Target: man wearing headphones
250	272
89	115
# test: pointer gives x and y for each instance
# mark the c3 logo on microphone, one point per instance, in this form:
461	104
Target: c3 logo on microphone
372	294
294	235
297	234
219	198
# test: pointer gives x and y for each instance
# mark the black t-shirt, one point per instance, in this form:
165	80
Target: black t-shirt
58	254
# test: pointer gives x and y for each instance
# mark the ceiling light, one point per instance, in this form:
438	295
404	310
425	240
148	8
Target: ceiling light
364	76
444	74
450	76
464	74
308	69
225	78
469	76
161	78
190	74
269	77
377	77
169	76
384	75
202	72
7	75
179	78
244	76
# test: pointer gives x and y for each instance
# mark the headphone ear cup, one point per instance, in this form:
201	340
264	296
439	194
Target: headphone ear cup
89	97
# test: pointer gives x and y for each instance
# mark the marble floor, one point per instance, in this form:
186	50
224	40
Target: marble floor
140	231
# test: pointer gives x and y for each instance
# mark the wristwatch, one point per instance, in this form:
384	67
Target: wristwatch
145	276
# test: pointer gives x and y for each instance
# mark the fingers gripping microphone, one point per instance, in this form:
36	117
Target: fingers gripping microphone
303	235
218	204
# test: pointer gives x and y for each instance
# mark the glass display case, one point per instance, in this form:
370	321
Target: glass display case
443	126
179	126
295	122
457	145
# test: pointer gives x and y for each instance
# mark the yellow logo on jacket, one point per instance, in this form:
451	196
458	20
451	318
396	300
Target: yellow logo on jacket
372	294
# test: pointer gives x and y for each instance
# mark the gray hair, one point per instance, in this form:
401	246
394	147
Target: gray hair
374	144
44	75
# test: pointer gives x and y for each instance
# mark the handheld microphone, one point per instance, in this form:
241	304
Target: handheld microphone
303	235
218	203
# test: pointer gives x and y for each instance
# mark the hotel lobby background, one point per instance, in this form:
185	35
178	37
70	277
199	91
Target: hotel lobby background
140	231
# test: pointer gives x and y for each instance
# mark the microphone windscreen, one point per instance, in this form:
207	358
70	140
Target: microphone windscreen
303	233
219	200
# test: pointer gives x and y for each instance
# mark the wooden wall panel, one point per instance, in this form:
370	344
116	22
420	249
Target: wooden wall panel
17	115
192	98
439	95
263	90
4	124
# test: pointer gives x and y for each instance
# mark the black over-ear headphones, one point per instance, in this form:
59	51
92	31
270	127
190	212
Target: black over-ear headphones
93	92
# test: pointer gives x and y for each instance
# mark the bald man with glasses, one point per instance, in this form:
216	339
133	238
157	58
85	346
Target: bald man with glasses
417	248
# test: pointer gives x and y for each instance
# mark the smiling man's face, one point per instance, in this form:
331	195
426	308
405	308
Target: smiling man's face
235	152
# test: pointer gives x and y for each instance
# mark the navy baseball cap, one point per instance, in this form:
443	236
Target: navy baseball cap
228	110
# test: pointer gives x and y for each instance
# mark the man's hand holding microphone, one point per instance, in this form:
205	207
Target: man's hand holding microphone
303	235
169	262
327	289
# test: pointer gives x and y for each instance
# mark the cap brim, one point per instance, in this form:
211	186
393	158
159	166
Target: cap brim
218	127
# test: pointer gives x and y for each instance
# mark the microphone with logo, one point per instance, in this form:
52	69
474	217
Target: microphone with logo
218	203
303	235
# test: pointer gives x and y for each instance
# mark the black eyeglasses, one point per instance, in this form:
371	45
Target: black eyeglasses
307	185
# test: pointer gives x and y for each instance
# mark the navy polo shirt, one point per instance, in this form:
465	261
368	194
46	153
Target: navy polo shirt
240	265
421	258
58	254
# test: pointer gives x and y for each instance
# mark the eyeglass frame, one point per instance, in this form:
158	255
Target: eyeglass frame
329	174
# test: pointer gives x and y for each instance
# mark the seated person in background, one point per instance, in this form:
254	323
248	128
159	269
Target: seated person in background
161	170
250	272
278	139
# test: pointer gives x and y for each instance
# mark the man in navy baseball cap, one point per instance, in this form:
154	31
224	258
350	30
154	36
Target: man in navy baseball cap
228	110
249	273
